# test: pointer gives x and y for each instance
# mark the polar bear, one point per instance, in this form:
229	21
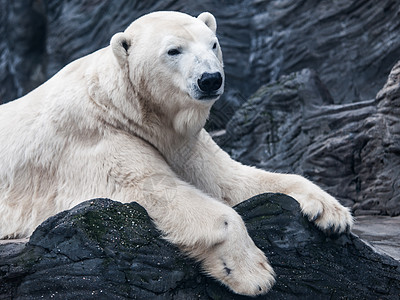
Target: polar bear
126	123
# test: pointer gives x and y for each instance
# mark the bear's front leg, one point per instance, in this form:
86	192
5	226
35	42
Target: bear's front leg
205	229
227	252
213	171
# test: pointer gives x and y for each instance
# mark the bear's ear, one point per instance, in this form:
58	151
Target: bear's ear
209	20
120	44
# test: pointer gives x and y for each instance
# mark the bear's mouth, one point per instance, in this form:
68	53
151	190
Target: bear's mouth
208	97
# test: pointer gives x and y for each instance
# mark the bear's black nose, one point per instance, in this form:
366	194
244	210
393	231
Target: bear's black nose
210	82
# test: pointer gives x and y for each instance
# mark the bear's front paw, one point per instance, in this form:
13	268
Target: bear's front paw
245	270
324	210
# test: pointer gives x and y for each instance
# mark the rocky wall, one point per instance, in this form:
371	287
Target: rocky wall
351	150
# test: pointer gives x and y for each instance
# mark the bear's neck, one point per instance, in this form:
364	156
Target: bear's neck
174	136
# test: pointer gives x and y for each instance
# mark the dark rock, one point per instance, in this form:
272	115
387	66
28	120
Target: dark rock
22	47
351	150
351	44
103	249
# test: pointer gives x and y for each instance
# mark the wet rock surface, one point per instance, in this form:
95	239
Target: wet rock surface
351	150
103	249
351	44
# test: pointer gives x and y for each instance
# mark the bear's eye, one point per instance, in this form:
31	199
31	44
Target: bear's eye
174	52
215	46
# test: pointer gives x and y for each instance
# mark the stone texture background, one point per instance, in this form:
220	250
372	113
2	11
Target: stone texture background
352	44
352	150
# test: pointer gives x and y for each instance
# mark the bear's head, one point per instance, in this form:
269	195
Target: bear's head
174	64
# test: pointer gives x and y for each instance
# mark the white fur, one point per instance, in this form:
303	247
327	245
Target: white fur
125	123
